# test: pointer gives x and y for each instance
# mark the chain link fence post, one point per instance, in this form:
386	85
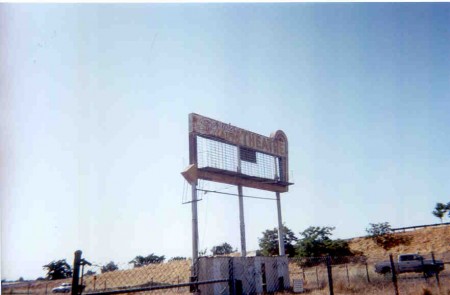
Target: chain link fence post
348	276
367	272
317	278
425	275
231	277
394	274
436	272
330	275
194	277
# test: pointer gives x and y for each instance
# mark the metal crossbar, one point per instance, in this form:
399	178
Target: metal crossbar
231	194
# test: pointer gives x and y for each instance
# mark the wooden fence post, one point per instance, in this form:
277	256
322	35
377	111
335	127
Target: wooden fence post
76	272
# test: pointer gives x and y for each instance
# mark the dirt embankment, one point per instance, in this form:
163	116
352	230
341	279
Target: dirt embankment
421	241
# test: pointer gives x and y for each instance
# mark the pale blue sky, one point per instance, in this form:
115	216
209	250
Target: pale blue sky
94	120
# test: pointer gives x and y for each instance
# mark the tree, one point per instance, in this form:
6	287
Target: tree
441	209
222	249
58	270
111	266
379	229
269	242
139	261
316	242
381	233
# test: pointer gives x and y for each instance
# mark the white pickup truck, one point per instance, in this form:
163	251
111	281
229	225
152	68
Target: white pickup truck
411	263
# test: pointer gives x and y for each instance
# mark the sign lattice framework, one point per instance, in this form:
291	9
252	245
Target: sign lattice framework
257	161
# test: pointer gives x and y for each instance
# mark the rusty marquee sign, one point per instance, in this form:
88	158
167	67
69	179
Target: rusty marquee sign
248	149
224	153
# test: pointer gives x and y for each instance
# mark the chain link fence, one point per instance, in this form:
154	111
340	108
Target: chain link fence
251	275
358	275
155	278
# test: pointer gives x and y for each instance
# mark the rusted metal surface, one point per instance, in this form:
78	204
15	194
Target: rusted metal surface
275	145
225	143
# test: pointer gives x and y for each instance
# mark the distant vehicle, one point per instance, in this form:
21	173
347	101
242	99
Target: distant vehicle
64	288
411	263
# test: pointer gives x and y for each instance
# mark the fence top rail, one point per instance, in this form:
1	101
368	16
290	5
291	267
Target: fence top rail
133	290
404	228
420	226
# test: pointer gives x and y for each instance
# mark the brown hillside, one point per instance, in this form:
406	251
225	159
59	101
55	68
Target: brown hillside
423	241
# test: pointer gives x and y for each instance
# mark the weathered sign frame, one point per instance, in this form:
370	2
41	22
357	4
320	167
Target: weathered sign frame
276	145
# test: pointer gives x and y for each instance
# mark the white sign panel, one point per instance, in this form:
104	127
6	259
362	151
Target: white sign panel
298	286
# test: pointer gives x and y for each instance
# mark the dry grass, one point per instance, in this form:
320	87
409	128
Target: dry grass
165	273
156	274
316	281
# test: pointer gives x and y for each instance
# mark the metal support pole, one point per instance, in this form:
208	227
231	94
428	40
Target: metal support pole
280	228
281	250
242	222
241	208
194	231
